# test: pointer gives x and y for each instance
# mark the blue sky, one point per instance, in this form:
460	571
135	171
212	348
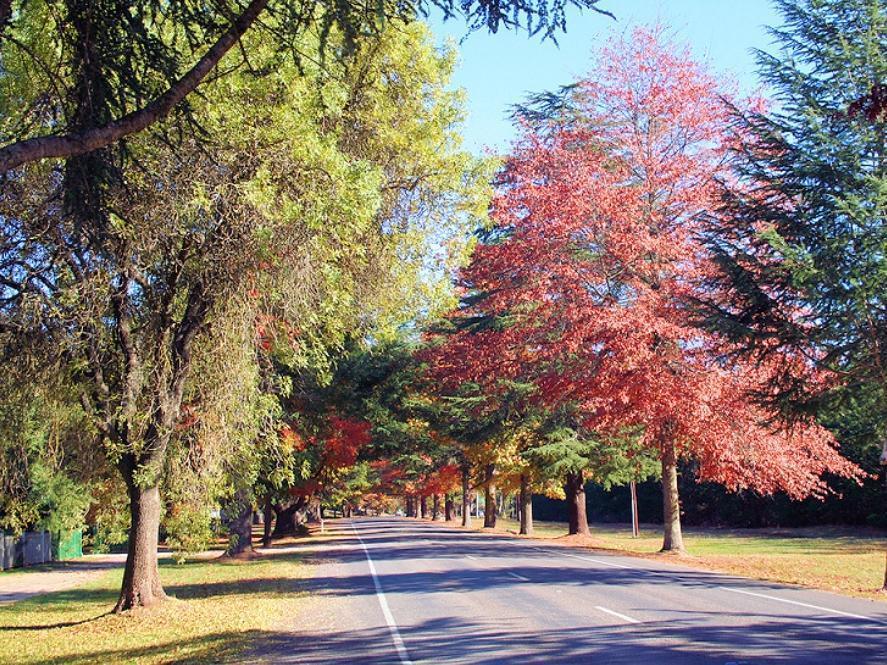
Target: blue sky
499	70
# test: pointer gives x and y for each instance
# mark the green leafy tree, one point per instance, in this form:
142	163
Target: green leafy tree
92	92
46	474
286	230
800	242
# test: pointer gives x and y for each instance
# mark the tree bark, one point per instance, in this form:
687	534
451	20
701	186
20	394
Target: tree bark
526	506
239	521
423	506
490	507
673	539
435	508
410	506
466	497
268	515
575	491
286	518
141	578
448	507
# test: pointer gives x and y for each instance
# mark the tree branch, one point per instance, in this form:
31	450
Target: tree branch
18	153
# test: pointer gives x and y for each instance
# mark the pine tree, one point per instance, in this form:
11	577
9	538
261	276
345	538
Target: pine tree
801	242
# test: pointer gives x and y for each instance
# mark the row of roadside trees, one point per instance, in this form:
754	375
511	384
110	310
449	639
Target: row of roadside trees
205	296
674	274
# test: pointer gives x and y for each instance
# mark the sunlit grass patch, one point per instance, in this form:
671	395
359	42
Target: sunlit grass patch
218	609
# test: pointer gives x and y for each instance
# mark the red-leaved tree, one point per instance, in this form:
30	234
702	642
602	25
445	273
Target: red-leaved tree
597	256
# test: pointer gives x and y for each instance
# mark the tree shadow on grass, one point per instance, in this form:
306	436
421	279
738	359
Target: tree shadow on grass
106	597
215	648
474	640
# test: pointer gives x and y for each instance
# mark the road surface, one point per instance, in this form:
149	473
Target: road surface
401	591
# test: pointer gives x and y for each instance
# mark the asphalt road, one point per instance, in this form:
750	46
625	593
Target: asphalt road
401	591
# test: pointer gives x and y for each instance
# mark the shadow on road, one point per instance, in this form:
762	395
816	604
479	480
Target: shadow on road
685	637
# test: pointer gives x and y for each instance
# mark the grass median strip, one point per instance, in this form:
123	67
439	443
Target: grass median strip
218	610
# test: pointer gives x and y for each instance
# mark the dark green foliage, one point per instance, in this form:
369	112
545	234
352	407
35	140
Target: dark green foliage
801	245
801	242
562	449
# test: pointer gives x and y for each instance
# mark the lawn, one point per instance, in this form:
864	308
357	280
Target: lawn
842	559
220	608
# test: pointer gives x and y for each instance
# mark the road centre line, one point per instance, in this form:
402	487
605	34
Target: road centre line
520	577
795	602
386	611
616	614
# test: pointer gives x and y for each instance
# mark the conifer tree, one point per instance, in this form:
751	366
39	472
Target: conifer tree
800	241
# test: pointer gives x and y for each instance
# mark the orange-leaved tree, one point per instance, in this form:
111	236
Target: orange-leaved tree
596	256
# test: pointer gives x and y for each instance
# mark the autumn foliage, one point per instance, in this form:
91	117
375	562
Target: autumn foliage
596	260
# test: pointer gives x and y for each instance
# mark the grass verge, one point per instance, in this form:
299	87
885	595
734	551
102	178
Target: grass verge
219	609
841	559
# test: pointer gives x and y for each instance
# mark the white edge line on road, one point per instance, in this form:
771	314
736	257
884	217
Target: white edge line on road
468	556
520	577
605	563
616	614
389	618
795	602
749	593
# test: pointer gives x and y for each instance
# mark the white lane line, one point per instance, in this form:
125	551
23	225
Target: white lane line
603	563
676	575
616	614
800	604
468	556
520	577
386	611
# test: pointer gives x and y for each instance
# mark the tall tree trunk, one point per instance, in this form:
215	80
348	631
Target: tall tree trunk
884	588
423	506
268	517
673	539
411	506
490	497
448	507
526	506
141	578
239	521
286	518
466	496
435	508
575	491
884	469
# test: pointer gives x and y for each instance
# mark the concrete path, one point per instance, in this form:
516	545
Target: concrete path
21	583
401	591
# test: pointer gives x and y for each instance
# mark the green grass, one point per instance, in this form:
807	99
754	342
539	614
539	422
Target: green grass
220	609
842	559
